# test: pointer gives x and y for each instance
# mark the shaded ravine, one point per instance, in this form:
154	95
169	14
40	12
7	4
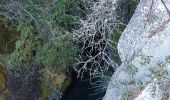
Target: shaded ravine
81	89
7	39
78	90
7	45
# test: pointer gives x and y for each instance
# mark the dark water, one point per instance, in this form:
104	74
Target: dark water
81	90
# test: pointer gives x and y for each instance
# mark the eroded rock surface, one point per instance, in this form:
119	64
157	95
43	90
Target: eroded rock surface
144	48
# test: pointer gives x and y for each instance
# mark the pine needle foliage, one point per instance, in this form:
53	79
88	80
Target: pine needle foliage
60	53
43	25
44	40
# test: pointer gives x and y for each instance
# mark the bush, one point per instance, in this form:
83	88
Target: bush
42	43
23	58
25	86
60	53
66	12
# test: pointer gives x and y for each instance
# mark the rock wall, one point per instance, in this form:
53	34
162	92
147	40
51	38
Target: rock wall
144	48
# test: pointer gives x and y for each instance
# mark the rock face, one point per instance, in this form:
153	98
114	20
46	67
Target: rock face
144	48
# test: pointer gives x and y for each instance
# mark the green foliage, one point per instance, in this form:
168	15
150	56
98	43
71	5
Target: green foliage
161	74
44	14
145	60
42	44
60	53
47	87
126	95
127	8
37	20
66	12
167	59
132	70
25	51
168	98
101	81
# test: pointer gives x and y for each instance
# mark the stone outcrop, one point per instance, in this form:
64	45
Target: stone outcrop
144	49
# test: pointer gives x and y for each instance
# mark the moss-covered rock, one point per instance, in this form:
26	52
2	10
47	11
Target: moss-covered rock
2	73
66	83
2	81
52	81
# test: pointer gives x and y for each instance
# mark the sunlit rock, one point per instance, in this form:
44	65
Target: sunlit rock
144	48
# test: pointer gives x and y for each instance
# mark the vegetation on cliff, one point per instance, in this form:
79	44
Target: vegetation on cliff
52	34
44	42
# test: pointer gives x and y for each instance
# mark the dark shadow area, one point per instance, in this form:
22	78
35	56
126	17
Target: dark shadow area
81	89
7	39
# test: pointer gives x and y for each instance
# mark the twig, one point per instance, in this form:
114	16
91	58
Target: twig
96	34
163	25
166	7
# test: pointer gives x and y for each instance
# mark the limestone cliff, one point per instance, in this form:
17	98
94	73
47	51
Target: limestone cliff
144	49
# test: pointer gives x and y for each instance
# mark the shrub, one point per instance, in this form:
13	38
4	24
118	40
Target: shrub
60	53
42	43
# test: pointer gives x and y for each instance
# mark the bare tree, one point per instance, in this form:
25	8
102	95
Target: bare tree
96	37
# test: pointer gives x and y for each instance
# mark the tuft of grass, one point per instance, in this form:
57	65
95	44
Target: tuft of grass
167	59
126	95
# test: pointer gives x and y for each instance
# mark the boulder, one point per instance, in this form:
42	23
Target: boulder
144	49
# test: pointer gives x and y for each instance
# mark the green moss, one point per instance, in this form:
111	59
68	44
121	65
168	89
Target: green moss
2	73
52	81
2	81
66	84
46	91
1	60
2	78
